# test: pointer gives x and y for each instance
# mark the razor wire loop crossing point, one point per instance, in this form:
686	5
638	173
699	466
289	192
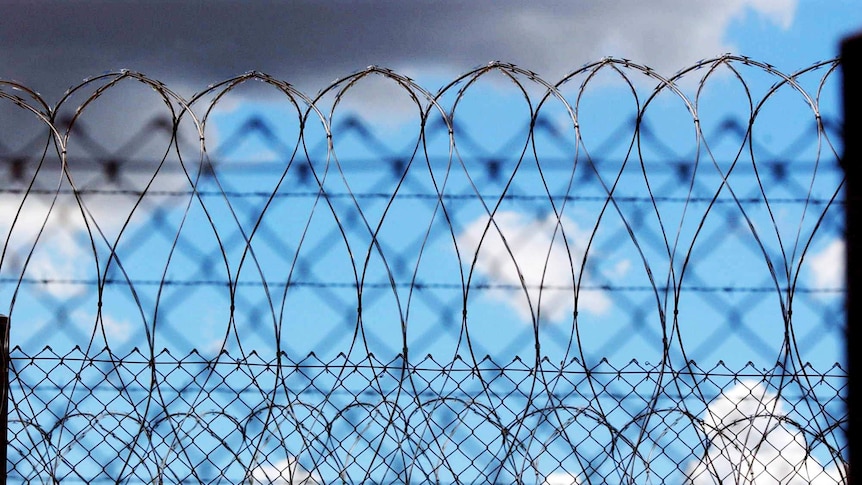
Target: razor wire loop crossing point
628	289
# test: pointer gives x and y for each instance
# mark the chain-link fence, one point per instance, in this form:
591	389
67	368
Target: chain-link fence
616	278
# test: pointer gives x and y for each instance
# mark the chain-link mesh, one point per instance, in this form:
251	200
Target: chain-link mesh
192	420
617	278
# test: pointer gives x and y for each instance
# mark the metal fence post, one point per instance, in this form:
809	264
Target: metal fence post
851	66
4	395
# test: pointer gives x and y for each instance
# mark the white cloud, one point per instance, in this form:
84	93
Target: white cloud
561	478
540	255
665	35
284	472
620	269
214	346
781	12
58	260
827	267
750	444
58	225
63	253
58	254
117	330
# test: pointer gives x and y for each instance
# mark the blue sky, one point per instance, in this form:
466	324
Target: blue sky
433	46
814	33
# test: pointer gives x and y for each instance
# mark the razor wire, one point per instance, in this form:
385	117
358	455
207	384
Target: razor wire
617	277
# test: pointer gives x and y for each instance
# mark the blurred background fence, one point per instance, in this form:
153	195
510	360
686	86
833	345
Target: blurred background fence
615	278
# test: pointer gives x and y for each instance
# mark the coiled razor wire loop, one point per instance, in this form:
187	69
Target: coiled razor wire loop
619	277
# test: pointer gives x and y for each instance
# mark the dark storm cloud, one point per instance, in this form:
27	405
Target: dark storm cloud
53	44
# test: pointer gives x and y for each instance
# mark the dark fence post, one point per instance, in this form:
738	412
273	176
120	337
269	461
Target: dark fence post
851	66
4	395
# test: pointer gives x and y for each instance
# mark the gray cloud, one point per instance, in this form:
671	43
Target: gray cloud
51	44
